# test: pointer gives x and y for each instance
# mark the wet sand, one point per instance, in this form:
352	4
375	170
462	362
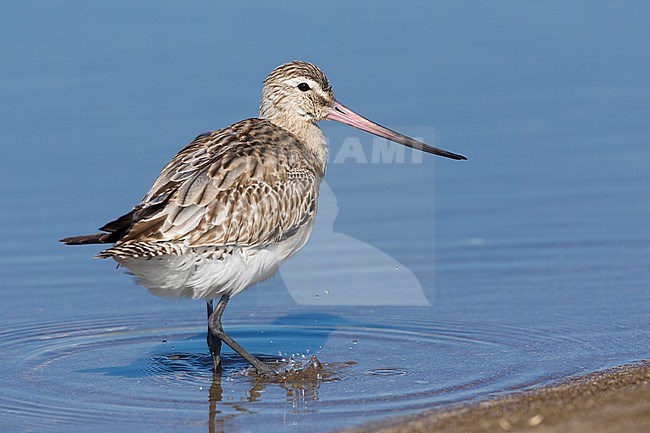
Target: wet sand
611	401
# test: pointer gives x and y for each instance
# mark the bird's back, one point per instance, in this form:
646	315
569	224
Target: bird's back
250	187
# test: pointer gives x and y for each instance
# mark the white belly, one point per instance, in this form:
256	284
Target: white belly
203	276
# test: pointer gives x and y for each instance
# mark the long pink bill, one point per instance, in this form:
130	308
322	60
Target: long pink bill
343	114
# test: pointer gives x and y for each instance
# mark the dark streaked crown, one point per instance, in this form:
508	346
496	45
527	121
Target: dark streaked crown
297	69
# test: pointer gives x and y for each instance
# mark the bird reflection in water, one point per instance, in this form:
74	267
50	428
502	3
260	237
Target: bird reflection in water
300	380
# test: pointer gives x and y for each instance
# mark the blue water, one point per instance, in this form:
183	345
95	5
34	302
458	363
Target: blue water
427	281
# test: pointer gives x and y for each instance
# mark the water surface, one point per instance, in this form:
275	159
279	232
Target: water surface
426	282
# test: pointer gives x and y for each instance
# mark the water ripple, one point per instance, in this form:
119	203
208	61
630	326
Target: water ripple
101	369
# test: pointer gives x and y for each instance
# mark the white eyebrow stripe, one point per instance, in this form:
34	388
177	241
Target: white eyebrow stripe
297	80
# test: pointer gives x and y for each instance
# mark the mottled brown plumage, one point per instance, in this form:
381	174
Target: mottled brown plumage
248	185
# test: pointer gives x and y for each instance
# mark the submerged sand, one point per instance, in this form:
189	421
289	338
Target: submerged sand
611	401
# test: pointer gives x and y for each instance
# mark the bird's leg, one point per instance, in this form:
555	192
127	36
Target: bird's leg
214	344
214	323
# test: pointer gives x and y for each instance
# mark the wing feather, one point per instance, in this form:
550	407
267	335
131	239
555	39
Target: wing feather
247	185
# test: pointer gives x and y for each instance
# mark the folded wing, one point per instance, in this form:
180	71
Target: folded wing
247	185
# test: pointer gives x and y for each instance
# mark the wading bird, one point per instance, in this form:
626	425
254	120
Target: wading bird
236	203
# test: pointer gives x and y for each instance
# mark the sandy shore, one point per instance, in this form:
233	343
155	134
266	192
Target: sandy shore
612	401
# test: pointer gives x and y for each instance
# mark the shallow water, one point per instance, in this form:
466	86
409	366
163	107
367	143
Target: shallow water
426	282
109	371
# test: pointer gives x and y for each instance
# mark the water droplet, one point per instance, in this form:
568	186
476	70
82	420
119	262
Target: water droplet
164	341
397	268
355	342
314	362
307	350
172	347
317	296
271	341
327	292
200	388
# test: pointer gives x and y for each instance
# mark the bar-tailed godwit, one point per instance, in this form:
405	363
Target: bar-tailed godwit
236	203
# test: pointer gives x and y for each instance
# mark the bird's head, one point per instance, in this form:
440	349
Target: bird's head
297	89
298	94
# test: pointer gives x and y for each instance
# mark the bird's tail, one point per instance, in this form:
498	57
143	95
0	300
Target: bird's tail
97	238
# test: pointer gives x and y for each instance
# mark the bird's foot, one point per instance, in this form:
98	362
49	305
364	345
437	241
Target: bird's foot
216	362
264	371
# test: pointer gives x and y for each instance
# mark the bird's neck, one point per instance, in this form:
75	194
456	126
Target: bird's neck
308	134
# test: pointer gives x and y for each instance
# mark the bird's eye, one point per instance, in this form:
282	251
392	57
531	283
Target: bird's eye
303	87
